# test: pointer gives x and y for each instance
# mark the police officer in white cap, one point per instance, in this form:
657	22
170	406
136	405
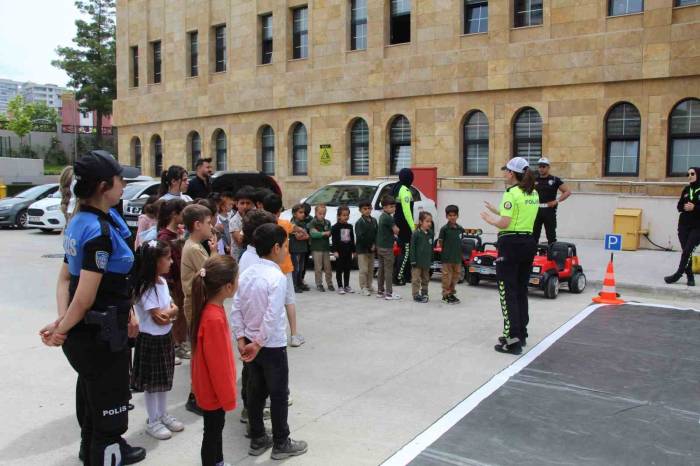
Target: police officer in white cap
514	219
547	187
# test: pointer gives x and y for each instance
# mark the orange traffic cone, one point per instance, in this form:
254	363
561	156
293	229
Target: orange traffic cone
608	295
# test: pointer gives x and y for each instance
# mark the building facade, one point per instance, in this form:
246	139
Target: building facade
8	90
315	91
50	94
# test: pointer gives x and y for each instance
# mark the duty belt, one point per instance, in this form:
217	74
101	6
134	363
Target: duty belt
514	233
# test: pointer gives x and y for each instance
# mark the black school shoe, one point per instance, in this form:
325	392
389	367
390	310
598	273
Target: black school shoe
514	347
288	449
419	298
192	406
453	299
304	287
260	445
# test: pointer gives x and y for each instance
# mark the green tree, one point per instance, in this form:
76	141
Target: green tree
43	114
20	117
91	64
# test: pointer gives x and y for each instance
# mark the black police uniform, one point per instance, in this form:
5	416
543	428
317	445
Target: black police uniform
688	231
547	188
96	347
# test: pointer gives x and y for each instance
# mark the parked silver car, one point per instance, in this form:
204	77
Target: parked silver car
13	210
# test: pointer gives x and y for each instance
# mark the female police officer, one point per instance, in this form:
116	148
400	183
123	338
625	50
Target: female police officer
516	250
93	307
688	226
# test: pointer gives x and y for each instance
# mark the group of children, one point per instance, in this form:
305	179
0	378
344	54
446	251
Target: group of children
369	238
182	278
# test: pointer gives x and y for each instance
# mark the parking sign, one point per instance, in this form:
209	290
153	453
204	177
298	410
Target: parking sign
613	242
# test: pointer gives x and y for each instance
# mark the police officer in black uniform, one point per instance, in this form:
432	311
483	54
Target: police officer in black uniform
547	187
93	298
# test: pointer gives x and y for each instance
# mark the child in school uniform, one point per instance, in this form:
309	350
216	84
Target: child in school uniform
421	254
450	239
386	235
299	246
365	246
343	248
154	359
320	232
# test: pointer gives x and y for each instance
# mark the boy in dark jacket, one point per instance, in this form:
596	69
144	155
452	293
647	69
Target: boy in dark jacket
320	232
343	248
365	244
299	247
421	254
450	240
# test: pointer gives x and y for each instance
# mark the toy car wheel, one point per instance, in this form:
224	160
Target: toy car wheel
462	275
551	287
577	282
473	279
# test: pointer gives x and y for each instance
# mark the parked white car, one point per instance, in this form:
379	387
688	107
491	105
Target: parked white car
46	214
351	192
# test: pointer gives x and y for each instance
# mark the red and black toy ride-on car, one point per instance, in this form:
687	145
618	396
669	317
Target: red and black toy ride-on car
554	264
471	244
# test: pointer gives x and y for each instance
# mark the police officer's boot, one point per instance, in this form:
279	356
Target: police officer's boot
673	278
691	279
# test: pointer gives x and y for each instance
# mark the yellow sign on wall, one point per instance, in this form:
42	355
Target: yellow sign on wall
326	154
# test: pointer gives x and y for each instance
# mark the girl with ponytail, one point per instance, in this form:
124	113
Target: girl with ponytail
213	367
173	184
154	359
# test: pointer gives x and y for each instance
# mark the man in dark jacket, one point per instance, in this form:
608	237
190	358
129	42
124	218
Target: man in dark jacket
200	186
403	218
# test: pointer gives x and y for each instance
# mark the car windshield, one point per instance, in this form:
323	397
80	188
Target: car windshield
32	193
131	190
56	195
336	195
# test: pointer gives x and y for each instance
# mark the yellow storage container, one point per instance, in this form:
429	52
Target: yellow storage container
696	264
628	223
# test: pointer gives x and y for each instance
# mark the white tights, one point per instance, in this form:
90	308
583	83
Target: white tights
156	404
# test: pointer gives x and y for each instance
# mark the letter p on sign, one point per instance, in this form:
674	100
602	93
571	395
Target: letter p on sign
613	242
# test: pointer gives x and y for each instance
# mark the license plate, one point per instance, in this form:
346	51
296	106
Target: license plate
35	219
534	281
482	270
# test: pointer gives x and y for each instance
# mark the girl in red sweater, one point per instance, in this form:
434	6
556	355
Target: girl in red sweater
213	367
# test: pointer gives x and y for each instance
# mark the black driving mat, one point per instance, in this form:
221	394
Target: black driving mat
620	388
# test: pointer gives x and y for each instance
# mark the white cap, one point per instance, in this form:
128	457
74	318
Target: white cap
543	161
517	165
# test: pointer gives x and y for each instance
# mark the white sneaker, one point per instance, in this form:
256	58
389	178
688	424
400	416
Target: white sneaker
392	297
296	341
158	430
366	292
341	290
171	423
349	290
178	361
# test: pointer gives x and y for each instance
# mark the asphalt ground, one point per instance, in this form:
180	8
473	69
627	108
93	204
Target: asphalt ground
371	377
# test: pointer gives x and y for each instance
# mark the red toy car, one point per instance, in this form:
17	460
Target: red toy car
553	265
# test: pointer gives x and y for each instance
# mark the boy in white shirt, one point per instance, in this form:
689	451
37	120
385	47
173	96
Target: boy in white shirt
260	326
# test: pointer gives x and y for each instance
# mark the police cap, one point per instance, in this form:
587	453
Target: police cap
101	165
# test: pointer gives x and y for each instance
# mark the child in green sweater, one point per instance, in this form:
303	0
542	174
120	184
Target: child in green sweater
320	232
365	243
421	254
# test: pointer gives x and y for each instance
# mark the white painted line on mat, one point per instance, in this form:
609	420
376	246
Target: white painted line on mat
452	417
662	306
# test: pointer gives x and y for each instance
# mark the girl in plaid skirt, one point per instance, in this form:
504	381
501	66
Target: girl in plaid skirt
154	360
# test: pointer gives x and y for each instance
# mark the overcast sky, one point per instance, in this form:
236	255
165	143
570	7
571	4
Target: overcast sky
30	32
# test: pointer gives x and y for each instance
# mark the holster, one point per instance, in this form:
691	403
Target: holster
110	331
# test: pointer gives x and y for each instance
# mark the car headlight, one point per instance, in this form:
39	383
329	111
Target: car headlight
536	269
477	260
51	208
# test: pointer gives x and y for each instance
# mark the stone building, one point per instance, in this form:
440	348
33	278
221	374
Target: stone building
608	90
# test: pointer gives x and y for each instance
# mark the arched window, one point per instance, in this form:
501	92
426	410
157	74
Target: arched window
400	144
157	152
527	135
476	144
622	128
136	152
359	148
684	137
195	148
299	150
220	149
267	150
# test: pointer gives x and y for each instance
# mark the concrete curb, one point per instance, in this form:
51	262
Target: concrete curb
676	291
